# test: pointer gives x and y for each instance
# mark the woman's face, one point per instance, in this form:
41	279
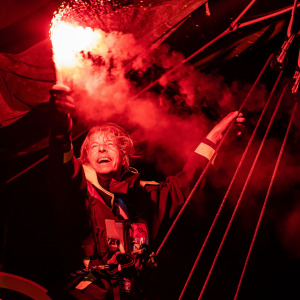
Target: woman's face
104	156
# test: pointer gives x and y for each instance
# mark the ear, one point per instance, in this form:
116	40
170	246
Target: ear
124	160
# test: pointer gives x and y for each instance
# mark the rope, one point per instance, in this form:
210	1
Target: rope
236	21
289	30
242	193
212	158
267	16
230	185
266	199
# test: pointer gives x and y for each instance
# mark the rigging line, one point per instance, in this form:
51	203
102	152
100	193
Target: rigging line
232	27
266	17
229	187
242	192
289	30
212	158
236	21
256	82
266	198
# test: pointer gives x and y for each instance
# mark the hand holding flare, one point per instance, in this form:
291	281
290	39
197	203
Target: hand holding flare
61	106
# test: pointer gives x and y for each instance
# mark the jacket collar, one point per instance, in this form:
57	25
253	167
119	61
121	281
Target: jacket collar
127	181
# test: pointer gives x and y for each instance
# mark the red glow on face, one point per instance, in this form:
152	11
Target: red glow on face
104	156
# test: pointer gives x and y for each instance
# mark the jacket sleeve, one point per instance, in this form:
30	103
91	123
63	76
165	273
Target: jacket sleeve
169	196
67	186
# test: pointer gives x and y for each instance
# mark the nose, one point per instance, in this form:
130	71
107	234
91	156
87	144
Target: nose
102	148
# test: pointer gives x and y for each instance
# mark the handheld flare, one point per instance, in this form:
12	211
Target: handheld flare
68	41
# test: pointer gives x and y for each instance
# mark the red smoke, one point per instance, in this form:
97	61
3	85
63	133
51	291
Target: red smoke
170	117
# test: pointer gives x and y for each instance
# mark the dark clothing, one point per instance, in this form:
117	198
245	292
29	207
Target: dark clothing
89	215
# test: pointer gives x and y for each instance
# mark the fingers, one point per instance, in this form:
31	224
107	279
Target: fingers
216	134
61	100
239	117
239	120
59	88
225	122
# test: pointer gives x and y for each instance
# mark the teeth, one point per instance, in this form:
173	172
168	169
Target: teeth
103	160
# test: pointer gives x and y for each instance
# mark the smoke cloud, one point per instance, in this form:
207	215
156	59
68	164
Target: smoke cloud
174	115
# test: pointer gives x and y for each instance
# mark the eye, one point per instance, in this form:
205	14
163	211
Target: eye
110	143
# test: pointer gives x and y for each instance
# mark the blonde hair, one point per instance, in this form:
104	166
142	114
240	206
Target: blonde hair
122	140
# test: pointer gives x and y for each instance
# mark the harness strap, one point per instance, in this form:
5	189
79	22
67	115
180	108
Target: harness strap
116	288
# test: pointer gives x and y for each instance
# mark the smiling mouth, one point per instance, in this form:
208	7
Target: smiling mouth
103	160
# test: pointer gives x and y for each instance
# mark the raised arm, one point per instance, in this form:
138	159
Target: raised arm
61	107
63	166
169	196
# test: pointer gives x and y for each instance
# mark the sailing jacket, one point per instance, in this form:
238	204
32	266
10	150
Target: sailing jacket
99	222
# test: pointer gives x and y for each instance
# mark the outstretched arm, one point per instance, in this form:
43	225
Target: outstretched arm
169	196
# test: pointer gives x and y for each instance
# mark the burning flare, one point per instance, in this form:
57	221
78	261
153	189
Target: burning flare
68	41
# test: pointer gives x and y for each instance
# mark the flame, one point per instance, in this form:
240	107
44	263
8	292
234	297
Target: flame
69	40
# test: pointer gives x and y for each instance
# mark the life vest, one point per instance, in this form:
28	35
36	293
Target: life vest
113	234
